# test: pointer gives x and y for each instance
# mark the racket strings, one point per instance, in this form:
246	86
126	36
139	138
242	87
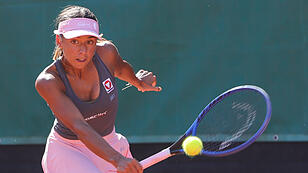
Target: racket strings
250	114
232	121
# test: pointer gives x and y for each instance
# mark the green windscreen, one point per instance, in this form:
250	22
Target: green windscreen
198	49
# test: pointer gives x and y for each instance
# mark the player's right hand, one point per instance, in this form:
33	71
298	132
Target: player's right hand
127	165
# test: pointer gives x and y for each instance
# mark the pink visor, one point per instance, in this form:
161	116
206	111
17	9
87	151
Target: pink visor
76	27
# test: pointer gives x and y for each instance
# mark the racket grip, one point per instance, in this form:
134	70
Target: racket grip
162	155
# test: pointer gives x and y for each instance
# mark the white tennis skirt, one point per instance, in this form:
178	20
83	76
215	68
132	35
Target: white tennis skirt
72	156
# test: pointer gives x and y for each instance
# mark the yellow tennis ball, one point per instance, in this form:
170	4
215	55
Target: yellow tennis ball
192	146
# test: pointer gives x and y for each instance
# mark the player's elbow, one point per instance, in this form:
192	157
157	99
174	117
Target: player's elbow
122	69
118	73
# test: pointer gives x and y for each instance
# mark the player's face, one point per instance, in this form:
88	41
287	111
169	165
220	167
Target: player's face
78	51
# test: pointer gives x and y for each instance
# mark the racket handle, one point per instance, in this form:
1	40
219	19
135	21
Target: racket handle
162	155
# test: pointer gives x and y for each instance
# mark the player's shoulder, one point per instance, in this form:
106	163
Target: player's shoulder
108	53
48	79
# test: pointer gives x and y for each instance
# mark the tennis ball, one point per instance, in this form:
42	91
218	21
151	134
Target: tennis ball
192	146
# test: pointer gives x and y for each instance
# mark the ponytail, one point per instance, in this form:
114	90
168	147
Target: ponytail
57	52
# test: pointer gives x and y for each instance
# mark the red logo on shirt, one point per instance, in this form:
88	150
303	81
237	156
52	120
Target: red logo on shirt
108	85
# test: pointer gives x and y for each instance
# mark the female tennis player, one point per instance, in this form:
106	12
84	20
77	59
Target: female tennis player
80	89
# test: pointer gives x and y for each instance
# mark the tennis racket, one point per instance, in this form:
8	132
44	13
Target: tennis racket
227	125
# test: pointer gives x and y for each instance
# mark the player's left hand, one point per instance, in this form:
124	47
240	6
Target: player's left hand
148	81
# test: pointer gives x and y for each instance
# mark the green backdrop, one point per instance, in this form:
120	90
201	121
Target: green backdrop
197	48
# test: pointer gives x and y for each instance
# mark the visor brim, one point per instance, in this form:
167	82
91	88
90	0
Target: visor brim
77	33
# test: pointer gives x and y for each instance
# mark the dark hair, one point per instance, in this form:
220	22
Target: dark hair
67	13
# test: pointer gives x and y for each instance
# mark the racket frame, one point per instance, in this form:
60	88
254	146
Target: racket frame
176	147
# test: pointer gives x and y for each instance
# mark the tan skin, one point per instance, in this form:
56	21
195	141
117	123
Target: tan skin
83	77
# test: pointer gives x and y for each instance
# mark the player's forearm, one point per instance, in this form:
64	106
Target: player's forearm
126	73
98	145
